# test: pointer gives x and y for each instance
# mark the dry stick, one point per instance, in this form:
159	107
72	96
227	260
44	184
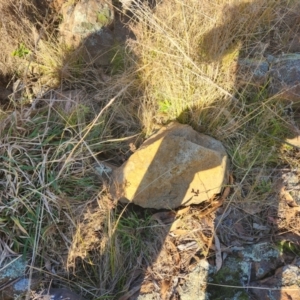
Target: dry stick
254	287
11	262
9	283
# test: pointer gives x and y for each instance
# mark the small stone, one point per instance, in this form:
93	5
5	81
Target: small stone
60	294
13	279
195	283
83	19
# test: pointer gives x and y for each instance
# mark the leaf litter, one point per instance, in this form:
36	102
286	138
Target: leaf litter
252	252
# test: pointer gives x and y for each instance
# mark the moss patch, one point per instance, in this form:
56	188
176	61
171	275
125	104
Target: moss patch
227	277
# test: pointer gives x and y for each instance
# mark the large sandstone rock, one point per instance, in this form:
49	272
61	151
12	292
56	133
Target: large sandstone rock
176	166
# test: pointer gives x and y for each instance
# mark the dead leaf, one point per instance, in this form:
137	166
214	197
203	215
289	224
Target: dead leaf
176	224
183	211
208	222
226	193
147	287
164	291
231	180
218	254
174	252
213	206
188	246
289	199
206	240
260	227
132	147
252	208
180	232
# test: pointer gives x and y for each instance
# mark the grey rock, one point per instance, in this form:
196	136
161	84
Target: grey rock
195	283
60	294
254	70
13	280
292	185
284	284
84	18
246	266
86	24
285	77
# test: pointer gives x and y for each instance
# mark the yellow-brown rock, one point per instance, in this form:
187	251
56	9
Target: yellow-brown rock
176	166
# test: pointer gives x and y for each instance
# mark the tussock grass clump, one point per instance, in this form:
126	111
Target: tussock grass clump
47	173
187	61
111	245
23	25
31	52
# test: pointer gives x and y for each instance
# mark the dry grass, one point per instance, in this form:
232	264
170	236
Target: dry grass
31	52
182	65
23	26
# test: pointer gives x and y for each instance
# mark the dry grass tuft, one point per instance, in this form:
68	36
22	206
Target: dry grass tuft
23	24
47	174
